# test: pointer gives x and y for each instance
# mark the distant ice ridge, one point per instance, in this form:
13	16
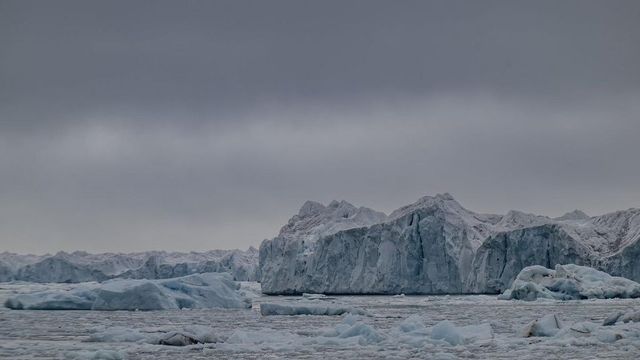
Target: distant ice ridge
569	282
436	246
209	290
81	266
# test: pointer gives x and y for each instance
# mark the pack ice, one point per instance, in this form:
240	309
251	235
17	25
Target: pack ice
436	246
208	290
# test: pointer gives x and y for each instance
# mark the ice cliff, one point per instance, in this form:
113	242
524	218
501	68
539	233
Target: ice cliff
436	246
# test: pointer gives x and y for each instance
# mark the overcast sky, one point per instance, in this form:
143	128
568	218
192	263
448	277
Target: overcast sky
193	125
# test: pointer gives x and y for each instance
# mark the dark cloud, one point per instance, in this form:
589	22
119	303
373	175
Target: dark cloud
192	125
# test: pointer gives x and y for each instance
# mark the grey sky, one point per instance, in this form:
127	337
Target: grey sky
191	125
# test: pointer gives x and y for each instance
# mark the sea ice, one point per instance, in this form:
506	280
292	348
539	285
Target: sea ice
454	335
446	331
584	332
118	334
612	319
95	355
353	331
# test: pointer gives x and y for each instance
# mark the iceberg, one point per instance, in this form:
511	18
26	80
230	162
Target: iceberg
209	290
569	282
80	298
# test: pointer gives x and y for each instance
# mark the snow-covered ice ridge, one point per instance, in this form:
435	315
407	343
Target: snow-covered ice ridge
81	266
436	246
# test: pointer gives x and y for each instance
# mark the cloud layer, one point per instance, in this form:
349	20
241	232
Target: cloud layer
151	125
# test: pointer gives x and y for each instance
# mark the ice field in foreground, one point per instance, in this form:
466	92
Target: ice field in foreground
440	327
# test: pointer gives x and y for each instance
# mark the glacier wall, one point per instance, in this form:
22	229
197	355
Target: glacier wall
435	246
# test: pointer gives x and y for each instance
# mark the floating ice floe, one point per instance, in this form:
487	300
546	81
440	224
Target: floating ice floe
569	282
188	335
307	309
95	355
209	290
631	316
548	325
454	335
413	331
585	332
310	296
118	334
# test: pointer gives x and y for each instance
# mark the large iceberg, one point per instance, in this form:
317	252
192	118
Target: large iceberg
209	290
569	282
436	246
